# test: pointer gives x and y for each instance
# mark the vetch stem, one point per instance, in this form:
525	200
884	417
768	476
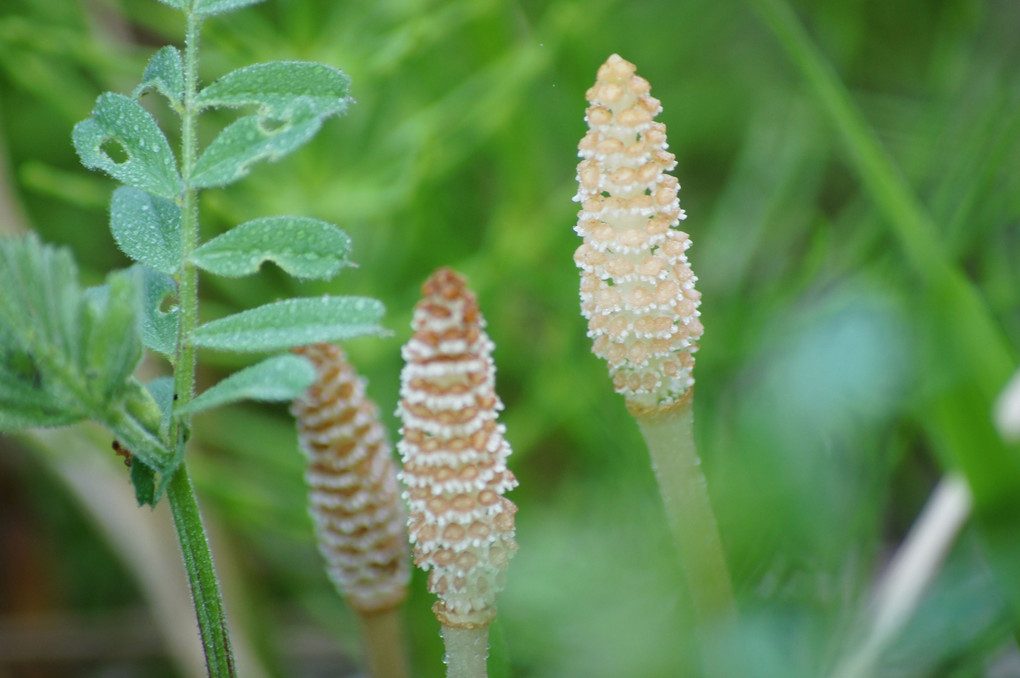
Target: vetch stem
383	637
466	651
205	588
669	434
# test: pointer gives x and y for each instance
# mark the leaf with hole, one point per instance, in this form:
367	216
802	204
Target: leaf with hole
147	228
282	377
292	322
301	246
149	163
159	327
283	90
165	74
246	141
210	7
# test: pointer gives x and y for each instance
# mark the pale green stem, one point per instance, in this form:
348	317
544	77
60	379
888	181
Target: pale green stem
466	651
669	434
383	634
205	588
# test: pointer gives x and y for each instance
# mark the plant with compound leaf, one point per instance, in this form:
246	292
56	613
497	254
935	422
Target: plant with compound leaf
69	354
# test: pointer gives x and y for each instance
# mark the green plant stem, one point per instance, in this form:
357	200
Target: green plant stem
187	278
383	634
466	651
205	588
669	434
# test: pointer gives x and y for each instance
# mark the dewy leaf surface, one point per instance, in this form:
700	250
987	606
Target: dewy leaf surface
292	322
283	90
150	165
210	7
147	228
301	246
159	329
282	377
244	142
165	74
111	332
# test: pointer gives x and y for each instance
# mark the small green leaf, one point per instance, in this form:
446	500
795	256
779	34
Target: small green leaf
176	4
282	377
244	142
159	329
149	165
135	421
143	479
147	228
162	391
165	74
210	7
292	322
283	90
301	246
111	327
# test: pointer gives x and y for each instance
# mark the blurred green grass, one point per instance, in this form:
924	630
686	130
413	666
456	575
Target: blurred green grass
860	313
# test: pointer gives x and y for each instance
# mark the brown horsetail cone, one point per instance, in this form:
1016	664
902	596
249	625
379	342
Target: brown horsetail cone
455	454
354	497
637	290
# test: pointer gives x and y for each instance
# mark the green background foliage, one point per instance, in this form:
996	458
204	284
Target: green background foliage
842	369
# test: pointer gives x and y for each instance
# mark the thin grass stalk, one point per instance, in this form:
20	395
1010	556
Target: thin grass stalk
910	572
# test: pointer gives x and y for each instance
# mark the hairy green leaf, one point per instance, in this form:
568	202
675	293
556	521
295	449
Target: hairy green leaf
210	7
301	246
67	355
41	301
24	401
149	164
246	141
283	90
147	228
162	391
292	322
111	330
165	74
282	377
176	4
159	329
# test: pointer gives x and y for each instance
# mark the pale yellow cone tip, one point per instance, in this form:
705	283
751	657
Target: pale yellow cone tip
637	288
